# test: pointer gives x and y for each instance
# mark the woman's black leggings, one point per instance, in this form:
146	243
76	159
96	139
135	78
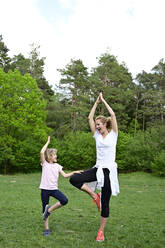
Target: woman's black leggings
89	175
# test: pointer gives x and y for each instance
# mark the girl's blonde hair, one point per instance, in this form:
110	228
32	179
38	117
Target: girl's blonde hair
106	120
49	153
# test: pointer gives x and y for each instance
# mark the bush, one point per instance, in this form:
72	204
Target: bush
141	152
158	166
136	153
123	143
7	156
28	155
22	127
77	151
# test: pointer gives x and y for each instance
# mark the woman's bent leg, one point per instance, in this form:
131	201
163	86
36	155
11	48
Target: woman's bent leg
79	180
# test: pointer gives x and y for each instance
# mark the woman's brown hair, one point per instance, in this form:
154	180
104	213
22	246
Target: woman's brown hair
104	120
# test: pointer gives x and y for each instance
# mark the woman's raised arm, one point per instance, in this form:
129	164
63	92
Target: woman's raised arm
112	114
91	115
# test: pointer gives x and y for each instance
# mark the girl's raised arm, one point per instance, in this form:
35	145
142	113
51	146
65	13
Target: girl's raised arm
42	152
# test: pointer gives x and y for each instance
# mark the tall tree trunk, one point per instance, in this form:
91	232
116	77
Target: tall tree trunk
136	113
161	113
144	117
73	114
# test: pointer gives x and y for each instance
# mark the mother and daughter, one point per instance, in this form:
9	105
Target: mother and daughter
104	173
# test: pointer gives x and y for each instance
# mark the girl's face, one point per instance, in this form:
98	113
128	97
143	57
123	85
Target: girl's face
100	126
53	158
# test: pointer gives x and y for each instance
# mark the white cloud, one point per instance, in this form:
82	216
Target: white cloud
132	29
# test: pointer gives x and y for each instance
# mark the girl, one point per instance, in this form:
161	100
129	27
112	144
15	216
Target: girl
105	132
49	183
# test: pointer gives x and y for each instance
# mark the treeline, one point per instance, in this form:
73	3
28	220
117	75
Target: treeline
30	111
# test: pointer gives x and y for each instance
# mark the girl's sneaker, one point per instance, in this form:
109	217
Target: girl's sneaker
46	213
97	201
46	232
100	236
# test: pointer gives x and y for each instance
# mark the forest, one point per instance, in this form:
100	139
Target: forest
30	110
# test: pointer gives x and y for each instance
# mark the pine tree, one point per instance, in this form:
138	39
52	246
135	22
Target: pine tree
4	58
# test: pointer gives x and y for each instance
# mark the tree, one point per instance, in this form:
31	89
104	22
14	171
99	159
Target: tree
159	77
152	97
4	58
58	115
75	86
34	66
37	71
117	85
20	63
22	121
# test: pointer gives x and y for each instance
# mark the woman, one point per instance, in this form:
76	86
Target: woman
105	132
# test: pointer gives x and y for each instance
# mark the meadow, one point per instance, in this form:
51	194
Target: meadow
137	218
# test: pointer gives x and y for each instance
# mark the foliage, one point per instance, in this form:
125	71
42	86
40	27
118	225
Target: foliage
75	87
123	143
7	156
140	153
158	165
137	153
134	153
151	96
58	115
20	63
25	118
117	85
27	155
77	151
4	57
34	66
37	71
22	116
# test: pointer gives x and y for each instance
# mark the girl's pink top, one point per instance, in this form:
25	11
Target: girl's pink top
50	174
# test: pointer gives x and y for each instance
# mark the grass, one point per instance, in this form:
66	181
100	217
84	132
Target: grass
137	217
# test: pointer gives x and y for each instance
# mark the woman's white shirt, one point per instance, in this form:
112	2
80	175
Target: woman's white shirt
105	149
106	155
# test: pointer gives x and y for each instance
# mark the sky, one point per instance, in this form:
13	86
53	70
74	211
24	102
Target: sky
131	30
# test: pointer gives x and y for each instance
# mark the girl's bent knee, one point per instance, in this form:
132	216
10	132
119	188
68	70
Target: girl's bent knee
64	201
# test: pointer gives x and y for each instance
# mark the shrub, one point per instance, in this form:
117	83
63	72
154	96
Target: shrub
136	153
28	155
124	139
158	166
7	157
141	152
77	151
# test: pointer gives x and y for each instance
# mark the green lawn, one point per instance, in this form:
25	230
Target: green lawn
137	215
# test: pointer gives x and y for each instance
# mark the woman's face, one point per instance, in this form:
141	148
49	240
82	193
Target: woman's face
100	126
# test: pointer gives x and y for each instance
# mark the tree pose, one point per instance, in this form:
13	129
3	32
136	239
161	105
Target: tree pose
49	183
104	172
